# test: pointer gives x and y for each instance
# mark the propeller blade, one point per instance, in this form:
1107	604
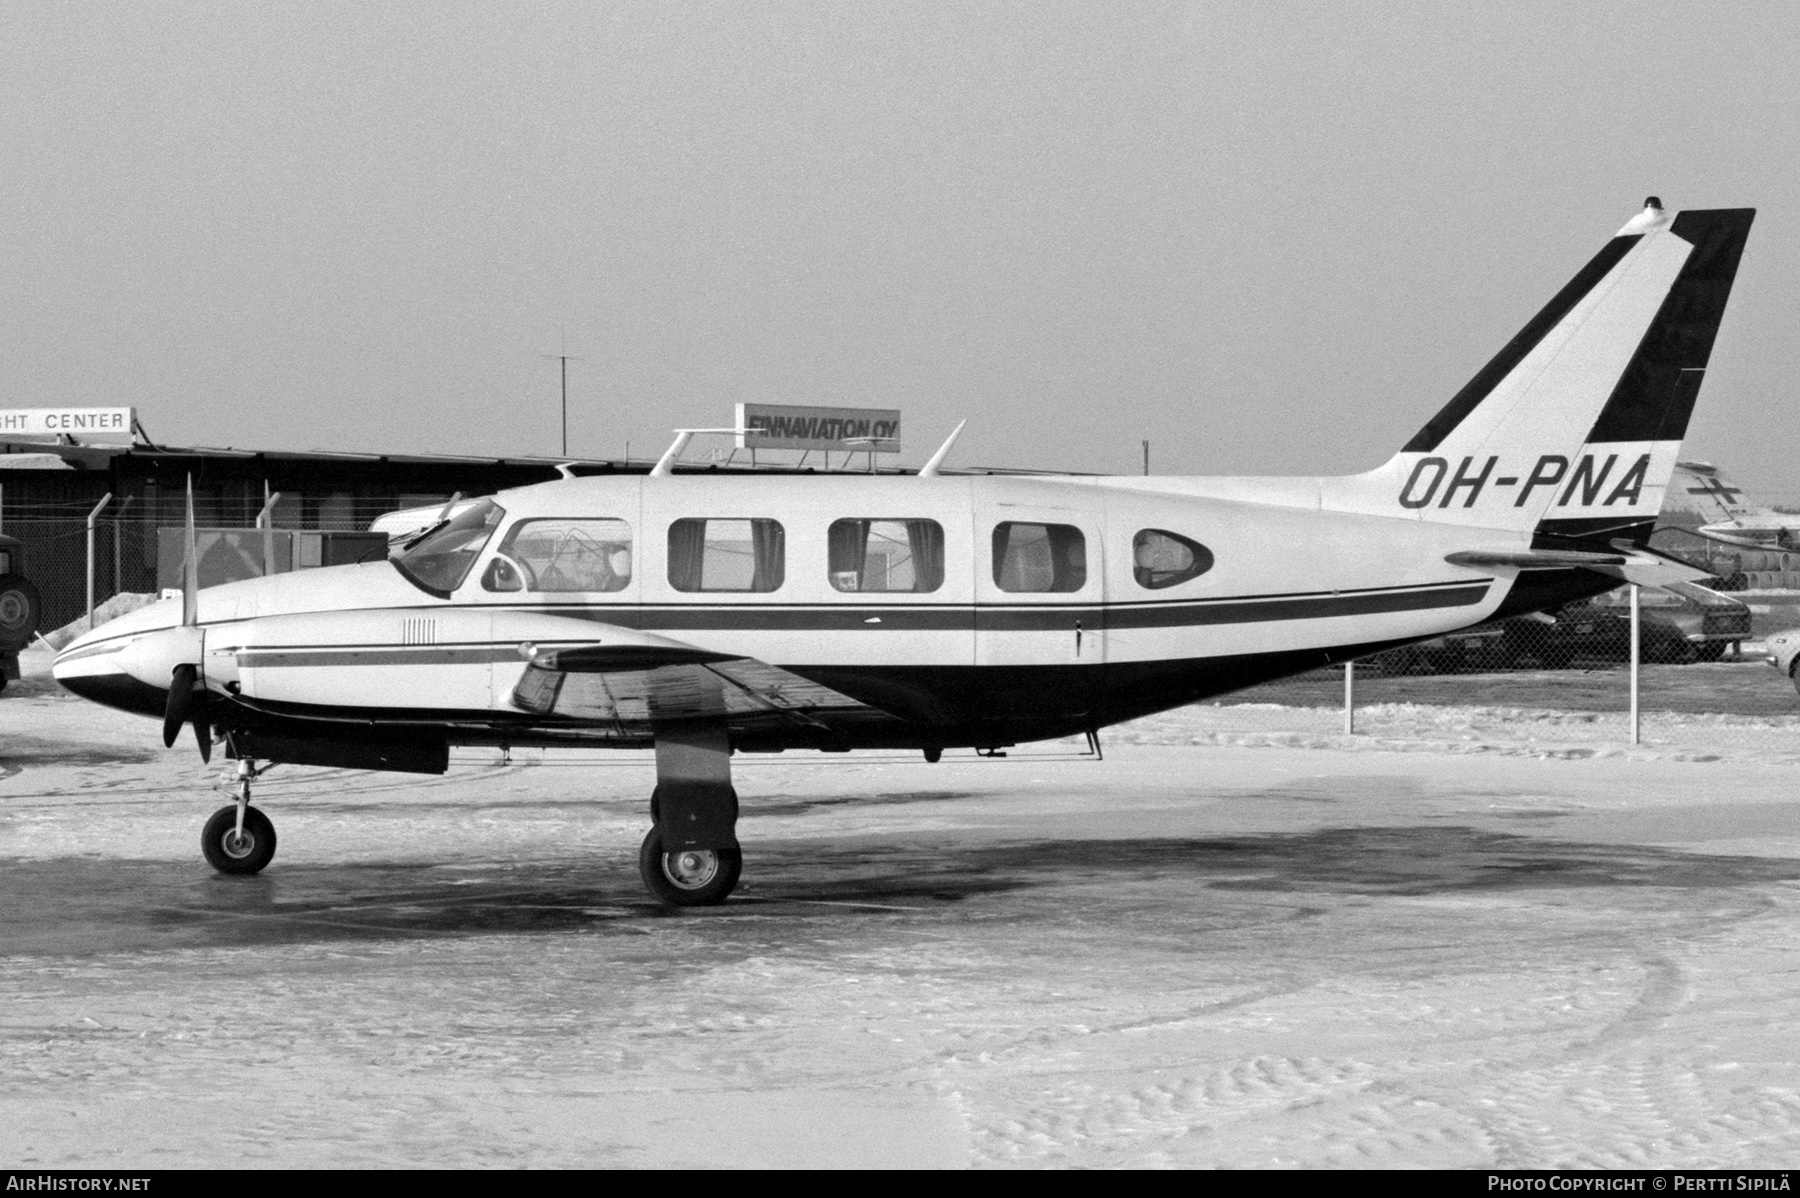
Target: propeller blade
190	567
203	734
181	701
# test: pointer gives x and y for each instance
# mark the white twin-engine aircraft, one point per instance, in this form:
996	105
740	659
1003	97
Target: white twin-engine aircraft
707	615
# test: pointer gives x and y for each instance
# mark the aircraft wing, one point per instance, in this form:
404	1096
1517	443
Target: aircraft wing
645	685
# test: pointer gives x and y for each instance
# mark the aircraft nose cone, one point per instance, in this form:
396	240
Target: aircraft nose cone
130	671
115	688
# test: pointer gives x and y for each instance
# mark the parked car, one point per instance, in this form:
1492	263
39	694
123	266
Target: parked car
1683	623
1784	653
1680	622
20	608
1554	640
1471	649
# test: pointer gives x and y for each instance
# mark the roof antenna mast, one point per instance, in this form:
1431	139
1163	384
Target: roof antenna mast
930	469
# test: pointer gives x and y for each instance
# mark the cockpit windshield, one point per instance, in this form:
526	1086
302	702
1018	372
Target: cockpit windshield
440	560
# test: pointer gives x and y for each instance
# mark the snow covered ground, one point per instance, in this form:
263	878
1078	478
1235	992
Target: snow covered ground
1470	935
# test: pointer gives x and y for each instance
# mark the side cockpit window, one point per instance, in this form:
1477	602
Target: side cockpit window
1035	558
727	555
555	556
886	555
1164	559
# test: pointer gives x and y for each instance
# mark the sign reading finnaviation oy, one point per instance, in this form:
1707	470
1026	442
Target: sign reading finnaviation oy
100	423
788	426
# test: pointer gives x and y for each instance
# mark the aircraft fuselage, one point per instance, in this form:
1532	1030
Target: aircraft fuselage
996	641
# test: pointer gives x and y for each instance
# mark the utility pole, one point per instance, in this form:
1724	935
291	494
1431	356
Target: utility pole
565	357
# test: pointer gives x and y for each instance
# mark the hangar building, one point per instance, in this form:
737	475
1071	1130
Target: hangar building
47	492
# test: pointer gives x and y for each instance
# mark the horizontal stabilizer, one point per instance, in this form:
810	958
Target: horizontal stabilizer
1631	564
1653	570
1535	559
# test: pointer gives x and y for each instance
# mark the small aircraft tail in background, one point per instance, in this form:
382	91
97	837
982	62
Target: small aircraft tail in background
1700	490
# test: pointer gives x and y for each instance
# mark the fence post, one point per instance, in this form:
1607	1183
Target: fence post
93	516
265	520
1349	698
118	575
1636	643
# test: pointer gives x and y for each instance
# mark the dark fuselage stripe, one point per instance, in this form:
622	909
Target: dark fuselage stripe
968	619
1296	609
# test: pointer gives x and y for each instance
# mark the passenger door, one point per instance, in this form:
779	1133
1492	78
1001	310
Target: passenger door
1039	584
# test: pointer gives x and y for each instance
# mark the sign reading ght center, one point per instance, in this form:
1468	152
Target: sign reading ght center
785	426
99	423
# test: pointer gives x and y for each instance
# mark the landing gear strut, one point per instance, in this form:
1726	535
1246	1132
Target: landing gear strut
239	839
691	856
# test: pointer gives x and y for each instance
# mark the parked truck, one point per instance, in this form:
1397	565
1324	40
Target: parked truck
20	608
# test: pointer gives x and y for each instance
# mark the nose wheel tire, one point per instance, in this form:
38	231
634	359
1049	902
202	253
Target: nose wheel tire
688	877
230	854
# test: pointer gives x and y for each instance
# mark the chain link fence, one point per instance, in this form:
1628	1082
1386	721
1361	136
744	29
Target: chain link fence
125	543
1554	685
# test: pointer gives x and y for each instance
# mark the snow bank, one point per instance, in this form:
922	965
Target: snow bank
112	609
1508	731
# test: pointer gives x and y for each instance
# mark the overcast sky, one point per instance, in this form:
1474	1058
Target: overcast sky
1271	238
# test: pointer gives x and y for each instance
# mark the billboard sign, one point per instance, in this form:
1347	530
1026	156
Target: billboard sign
790	426
105	424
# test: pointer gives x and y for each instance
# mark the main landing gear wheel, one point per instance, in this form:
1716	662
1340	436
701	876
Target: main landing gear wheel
689	877
229	853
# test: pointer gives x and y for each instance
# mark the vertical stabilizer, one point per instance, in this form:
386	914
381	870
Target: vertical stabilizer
1701	489
1572	430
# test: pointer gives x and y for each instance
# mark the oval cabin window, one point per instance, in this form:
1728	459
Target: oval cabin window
1164	559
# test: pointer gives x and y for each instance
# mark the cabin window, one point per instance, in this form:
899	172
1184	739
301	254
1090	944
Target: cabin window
5	561
1163	559
439	558
1035	558
886	555
562	555
727	555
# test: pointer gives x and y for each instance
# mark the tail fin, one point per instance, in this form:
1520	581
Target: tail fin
1701	488
1572	431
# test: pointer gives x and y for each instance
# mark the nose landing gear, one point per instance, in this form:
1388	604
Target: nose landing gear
239	839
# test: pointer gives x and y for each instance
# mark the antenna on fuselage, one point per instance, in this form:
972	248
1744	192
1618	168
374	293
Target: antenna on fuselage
665	465
930	469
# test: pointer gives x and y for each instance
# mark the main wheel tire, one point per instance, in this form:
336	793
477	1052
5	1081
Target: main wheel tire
1713	650
691	877
229	855
20	608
